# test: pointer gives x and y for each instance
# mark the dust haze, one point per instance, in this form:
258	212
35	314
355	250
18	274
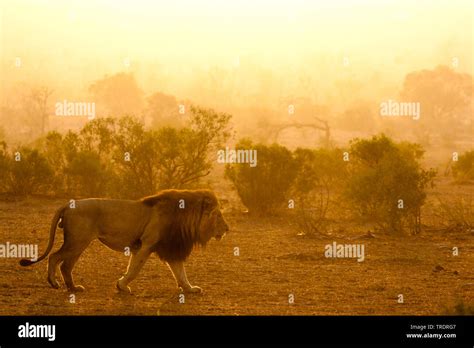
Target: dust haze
337	135
250	58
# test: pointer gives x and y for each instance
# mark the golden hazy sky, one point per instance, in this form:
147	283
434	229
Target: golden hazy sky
85	38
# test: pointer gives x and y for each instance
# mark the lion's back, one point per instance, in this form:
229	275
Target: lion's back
112	215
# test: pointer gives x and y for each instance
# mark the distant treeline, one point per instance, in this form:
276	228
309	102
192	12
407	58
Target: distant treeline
377	179
115	157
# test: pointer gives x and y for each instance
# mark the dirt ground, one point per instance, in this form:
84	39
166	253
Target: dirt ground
273	264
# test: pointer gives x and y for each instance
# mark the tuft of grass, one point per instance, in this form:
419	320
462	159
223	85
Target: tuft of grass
460	308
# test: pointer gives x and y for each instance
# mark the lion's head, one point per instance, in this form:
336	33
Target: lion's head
212	222
192	217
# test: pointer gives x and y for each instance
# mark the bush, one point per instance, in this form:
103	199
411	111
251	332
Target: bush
81	162
4	166
29	172
456	214
184	157
133	158
314	186
87	175
386	184
265	187
167	157
119	157
463	169
52	149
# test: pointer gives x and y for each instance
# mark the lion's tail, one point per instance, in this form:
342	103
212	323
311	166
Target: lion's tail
52	232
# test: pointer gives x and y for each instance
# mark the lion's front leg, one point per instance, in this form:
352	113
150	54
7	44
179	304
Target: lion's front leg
137	260
177	267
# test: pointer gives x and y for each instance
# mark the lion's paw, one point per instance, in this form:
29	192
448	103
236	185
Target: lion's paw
77	288
192	290
54	283
123	288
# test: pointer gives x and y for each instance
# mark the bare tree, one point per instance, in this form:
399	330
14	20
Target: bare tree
37	105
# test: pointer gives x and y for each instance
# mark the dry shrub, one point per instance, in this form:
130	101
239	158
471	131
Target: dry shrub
386	183
264	188
320	174
463	168
457	213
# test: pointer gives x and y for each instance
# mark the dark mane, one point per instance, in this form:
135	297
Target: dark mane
181	231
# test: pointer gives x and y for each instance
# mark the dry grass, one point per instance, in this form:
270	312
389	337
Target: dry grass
273	263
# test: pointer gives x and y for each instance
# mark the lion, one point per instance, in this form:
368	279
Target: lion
169	224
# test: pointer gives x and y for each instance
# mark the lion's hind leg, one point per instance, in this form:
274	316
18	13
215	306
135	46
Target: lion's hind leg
67	256
53	263
70	260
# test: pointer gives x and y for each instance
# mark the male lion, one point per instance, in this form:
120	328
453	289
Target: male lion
169	223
